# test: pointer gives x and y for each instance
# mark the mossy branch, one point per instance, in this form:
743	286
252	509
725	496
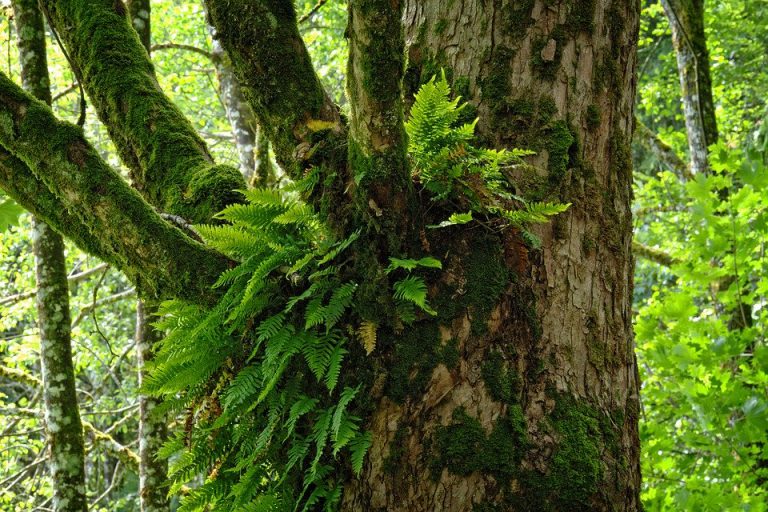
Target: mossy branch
378	143
654	255
666	155
169	163
272	64
79	195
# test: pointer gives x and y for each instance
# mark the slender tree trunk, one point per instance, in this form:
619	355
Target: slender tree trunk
153	428
686	17
62	416
524	395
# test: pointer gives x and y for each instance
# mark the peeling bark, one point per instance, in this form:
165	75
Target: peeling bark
64	430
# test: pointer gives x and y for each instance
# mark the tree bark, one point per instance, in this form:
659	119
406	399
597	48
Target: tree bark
153	428
64	430
539	410
686	17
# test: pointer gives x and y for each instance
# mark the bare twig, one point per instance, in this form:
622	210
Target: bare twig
76	278
184	47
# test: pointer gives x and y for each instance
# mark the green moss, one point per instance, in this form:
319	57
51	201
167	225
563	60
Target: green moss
392	462
416	353
440	26
152	136
463	446
503	384
576	468
516	17
449	353
559	142
593	117
487	277
581	17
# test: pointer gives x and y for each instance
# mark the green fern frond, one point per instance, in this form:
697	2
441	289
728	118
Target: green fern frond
413	289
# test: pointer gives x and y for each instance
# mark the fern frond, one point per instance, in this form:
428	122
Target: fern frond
367	335
334	366
358	449
413	289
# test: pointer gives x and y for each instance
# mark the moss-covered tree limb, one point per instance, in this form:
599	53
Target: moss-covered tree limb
666	155
377	142
274	70
169	163
654	255
84	190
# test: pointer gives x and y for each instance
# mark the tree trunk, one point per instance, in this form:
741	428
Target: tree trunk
153	428
525	396
686	18
64	429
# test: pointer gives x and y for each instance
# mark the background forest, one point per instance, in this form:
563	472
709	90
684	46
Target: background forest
701	279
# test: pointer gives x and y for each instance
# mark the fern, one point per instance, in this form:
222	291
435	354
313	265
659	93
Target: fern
413	289
452	169
367	335
238	371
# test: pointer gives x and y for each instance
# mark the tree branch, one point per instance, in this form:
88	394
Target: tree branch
76	278
377	143
666	155
169	163
654	255
184	47
274	70
76	185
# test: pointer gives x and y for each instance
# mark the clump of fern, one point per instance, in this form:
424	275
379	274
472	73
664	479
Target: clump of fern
257	377
452	169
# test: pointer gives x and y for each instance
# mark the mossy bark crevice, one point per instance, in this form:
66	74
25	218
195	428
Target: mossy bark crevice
169	163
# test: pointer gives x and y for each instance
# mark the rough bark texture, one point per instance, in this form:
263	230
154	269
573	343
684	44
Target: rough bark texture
530	400
64	431
686	17
169	163
153	431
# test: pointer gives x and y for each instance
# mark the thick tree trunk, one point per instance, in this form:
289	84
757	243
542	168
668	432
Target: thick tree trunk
64	429
525	396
